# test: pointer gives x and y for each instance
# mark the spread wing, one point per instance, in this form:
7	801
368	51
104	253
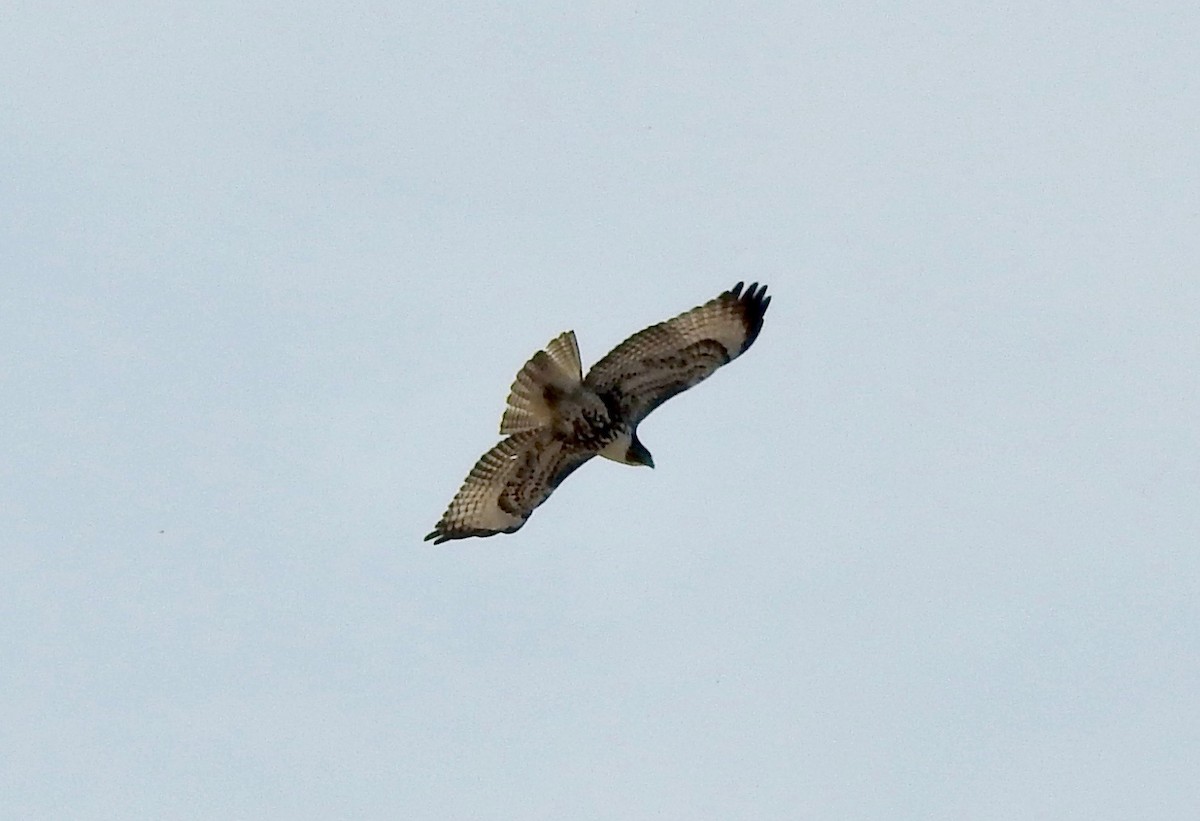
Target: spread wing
655	364
507	483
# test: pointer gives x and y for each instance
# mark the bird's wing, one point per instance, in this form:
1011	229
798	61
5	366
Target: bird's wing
655	364
507	483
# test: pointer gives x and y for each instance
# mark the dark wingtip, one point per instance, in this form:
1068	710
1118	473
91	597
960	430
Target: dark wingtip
736	290
443	536
754	304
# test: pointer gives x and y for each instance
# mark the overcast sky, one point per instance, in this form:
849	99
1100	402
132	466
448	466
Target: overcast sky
930	550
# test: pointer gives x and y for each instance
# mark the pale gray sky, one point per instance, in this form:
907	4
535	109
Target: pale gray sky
930	550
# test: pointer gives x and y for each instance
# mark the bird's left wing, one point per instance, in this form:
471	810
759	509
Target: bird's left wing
655	364
507	483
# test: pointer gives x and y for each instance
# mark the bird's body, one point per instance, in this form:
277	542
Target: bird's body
557	420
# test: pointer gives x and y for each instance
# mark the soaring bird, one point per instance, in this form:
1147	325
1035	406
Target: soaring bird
556	419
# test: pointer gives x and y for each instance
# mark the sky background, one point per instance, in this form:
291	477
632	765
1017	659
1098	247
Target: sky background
930	550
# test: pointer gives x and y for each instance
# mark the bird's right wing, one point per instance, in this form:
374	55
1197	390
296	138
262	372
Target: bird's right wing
655	364
507	483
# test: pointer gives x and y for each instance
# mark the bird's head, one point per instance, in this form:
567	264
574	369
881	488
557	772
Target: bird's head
637	453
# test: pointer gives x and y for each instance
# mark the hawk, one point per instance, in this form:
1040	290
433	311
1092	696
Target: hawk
556	419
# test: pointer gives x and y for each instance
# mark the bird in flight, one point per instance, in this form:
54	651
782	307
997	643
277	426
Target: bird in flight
556	419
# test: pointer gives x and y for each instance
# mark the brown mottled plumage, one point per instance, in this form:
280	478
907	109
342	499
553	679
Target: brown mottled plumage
558	420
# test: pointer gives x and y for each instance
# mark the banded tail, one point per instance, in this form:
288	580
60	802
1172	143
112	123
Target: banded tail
548	375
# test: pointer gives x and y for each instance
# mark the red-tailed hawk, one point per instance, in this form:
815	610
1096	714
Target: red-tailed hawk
558	420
